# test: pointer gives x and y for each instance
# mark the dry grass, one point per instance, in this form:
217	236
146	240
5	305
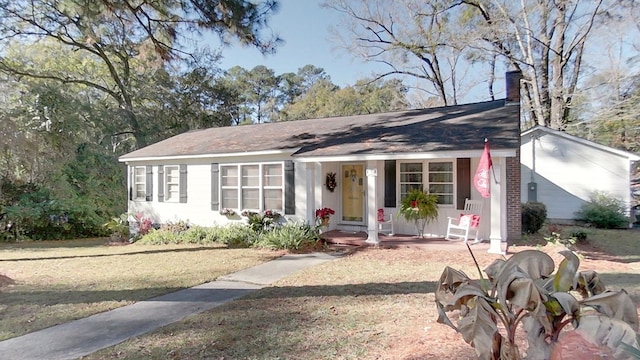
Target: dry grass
372	304
55	282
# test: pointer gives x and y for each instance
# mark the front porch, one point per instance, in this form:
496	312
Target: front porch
358	238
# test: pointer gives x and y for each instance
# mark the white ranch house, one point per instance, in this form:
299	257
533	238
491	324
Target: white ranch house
377	159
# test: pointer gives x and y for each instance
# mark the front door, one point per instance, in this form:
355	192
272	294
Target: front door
353	194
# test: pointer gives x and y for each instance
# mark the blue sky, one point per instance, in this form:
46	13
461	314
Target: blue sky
304	26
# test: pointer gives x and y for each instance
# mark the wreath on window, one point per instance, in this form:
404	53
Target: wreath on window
330	182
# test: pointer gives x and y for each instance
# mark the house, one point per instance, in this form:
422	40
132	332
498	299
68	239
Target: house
377	159
563	171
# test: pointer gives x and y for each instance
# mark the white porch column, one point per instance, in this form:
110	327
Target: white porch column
498	206
310	177
371	211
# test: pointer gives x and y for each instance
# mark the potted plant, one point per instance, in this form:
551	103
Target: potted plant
323	215
421	208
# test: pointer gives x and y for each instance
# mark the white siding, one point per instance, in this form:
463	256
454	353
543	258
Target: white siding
197	209
567	172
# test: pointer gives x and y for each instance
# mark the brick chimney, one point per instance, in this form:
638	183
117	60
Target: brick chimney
512	79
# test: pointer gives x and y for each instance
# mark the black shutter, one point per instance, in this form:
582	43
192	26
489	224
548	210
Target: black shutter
289	188
149	184
463	181
390	183
132	171
160	183
215	184
183	183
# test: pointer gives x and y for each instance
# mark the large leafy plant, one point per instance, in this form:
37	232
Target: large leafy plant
524	293
420	207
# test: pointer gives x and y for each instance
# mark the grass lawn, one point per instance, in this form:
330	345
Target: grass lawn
51	282
372	304
375	303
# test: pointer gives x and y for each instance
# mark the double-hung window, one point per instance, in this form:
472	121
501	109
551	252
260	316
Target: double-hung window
252	186
441	181
434	176
172	183
139	183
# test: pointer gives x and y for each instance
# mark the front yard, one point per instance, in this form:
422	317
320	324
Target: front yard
375	303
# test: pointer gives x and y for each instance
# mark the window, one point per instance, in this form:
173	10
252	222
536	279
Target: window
410	178
438	176
252	186
441	181
139	183
172	183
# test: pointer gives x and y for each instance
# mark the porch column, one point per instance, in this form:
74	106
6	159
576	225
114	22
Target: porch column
372	218
498	206
310	172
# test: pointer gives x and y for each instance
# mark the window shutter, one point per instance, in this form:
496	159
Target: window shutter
149	184
183	183
289	188
160	183
215	184
463	181
131	170
390	183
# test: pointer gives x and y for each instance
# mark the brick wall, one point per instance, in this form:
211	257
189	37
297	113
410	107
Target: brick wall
514	222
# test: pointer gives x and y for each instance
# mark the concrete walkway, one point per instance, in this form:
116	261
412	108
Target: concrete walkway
85	336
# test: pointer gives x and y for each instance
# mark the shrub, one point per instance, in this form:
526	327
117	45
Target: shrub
290	237
603	211
523	294
534	214
118	228
236	235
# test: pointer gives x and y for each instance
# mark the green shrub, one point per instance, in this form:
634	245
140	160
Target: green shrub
236	235
534	214
290	237
603	211
118	228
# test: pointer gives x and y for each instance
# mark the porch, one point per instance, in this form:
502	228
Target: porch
358	238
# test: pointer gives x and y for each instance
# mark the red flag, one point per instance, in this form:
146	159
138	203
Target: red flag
482	178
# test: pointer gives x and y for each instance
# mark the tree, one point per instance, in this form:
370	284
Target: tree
325	99
439	41
125	40
413	38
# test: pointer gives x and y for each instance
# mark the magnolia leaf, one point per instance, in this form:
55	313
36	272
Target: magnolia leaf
538	349
606	331
589	284
564	279
479	329
615	304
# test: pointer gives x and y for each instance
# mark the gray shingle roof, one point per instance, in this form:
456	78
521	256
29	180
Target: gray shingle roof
460	127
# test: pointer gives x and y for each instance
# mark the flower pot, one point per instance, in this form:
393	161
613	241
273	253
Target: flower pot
325	221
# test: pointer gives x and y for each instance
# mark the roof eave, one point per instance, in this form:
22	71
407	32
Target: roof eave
125	159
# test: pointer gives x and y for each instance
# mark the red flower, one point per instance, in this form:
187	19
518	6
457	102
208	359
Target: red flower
324	212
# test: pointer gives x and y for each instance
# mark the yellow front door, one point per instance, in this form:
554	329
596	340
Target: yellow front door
353	193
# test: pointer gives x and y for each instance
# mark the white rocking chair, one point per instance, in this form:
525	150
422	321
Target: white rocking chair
385	223
466	227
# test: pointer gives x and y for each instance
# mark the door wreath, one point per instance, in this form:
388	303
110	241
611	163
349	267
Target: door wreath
330	182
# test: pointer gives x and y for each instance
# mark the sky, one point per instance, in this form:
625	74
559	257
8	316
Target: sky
304	27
